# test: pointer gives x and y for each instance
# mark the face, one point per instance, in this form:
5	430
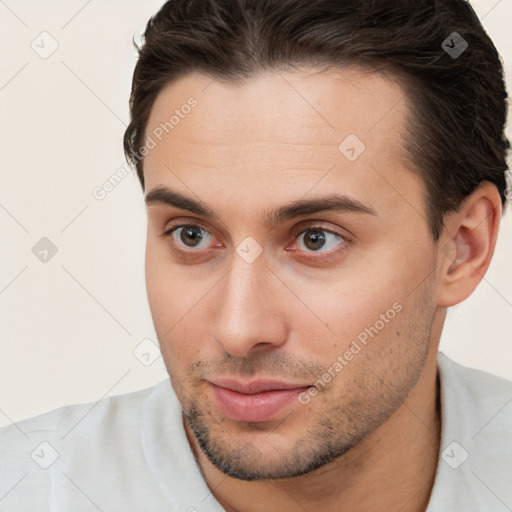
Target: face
290	270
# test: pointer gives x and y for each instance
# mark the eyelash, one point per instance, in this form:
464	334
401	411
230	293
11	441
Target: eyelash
190	254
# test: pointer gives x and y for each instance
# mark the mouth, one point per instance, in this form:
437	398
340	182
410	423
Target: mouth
255	401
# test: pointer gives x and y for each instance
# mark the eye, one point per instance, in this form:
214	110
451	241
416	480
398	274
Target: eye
313	240
320	240
188	235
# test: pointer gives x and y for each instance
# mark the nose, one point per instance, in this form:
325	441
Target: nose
251	309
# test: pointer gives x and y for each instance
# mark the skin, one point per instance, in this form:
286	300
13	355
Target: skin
369	440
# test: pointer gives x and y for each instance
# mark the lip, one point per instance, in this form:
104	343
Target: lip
255	401
255	386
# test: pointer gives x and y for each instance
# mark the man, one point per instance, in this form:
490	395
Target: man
323	180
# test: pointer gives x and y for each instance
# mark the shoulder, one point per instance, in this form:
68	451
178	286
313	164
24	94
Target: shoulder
91	445
476	408
84	428
475	458
92	414
479	390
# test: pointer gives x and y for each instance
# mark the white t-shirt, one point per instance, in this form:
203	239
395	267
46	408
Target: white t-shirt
130	453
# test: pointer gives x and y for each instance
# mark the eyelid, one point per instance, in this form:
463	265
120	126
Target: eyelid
318	224
169	232
297	230
182	252
184	223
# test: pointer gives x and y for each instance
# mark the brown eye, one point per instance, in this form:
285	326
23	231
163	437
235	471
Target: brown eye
191	236
188	235
316	238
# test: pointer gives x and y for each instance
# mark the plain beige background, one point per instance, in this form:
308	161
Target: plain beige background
72	326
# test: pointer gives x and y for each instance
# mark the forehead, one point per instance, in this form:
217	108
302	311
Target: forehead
281	131
309	102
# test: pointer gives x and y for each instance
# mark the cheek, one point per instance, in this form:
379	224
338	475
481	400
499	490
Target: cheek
178	308
157	283
163	291
365	308
359	324
166	286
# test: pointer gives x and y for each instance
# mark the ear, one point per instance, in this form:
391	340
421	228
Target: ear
467	244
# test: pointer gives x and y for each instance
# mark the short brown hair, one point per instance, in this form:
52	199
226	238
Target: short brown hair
455	134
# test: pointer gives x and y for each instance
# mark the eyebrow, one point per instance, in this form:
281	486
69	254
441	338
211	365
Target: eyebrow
329	203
